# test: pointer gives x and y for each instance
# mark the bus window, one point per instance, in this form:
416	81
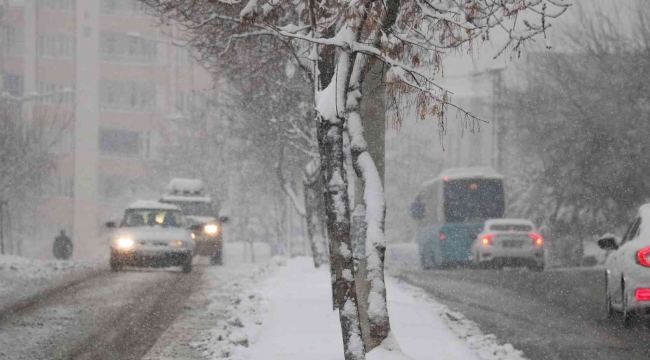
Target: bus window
473	200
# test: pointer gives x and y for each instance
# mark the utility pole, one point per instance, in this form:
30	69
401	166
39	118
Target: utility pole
497	97
2	226
495	75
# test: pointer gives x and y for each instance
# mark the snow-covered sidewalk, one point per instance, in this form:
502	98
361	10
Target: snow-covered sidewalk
299	323
281	310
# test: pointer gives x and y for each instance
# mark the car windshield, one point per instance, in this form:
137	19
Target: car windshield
152	217
194	208
511	227
473	200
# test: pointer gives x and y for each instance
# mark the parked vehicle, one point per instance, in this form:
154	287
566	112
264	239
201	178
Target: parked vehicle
199	209
151	234
627	269
450	211
509	242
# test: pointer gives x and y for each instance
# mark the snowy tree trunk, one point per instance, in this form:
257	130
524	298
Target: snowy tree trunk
310	200
373	309
330	136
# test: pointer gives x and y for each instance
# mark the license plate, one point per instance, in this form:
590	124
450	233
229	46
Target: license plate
512	243
148	253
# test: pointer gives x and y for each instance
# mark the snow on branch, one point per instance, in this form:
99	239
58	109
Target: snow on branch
412	35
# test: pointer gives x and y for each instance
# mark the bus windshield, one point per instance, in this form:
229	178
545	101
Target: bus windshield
473	200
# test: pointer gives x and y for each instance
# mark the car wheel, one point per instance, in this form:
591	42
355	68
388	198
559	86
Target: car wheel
627	314
187	266
116	264
609	311
424	263
216	260
537	267
476	261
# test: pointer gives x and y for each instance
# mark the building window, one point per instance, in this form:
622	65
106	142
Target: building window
56	46
13	84
64	144
111	7
64	187
55	94
122	143
66	5
146	145
13	40
125	48
185	103
185	56
127	95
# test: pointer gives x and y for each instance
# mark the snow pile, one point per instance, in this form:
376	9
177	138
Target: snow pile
485	346
22	277
236	308
20	268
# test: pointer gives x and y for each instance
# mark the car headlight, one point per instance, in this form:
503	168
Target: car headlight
125	243
178	243
211	229
193	236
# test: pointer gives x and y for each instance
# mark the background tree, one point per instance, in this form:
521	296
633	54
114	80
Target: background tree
338	42
27	156
578	125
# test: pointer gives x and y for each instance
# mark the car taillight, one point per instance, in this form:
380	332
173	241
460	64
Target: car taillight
487	239
537	239
642	294
643	257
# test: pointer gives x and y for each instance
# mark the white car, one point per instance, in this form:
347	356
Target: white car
627	268
151	234
509	242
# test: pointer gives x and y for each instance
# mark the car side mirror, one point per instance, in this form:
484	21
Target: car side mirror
111	224
224	219
608	242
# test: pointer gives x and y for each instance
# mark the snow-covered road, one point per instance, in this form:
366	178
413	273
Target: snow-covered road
557	314
106	316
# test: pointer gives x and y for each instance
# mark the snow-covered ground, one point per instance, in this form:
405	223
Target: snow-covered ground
282	311
22	277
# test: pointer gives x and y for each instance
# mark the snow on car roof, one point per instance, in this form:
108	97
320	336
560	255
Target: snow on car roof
185	185
465	173
153	205
508	222
181	198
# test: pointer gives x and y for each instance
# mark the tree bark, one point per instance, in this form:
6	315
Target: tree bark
330	139
310	200
368	163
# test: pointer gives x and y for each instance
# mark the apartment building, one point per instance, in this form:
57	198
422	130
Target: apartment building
127	82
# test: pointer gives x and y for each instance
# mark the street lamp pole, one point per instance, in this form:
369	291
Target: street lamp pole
496	76
2	227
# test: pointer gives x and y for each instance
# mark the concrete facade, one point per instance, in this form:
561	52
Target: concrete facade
128	81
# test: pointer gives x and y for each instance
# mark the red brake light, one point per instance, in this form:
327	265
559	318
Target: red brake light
537	239
643	257
487	239
642	294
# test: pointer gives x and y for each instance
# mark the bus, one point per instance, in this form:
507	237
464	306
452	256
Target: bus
450	211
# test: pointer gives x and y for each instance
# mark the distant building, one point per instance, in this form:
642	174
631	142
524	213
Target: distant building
129	81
